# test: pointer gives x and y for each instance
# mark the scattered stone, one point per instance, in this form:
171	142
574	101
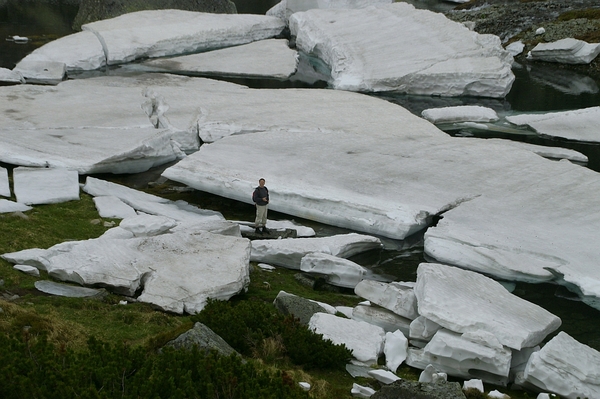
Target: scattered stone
304	385
413	389
204	338
301	308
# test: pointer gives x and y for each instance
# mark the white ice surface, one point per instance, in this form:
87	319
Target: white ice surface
7	206
395	349
363	339
397	297
565	367
581	124
158	33
109	206
567	51
271	58
6	75
459	300
285	8
395	47
463	113
45	185
337	271
289	252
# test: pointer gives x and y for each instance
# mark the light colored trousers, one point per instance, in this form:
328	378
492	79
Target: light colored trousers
261	216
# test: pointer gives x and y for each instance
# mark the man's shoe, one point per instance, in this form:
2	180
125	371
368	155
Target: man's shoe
257	231
266	231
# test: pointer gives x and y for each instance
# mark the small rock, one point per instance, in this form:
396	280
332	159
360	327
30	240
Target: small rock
304	385
540	31
109	224
96	221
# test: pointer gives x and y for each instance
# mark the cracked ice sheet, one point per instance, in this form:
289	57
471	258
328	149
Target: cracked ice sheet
99	125
517	214
92	125
178	271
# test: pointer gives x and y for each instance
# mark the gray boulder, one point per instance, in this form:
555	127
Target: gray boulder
93	10
403	389
300	308
203	337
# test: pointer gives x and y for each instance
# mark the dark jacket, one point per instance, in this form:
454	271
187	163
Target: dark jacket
258	195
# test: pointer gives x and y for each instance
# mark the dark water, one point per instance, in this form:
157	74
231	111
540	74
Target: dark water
538	88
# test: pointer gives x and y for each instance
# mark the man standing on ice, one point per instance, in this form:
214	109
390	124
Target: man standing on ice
260	196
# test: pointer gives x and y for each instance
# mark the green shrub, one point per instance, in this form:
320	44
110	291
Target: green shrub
247	324
39	370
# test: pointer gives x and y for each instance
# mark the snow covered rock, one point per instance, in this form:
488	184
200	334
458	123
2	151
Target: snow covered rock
271	58
45	185
566	367
473	384
159	33
373	49
581	124
397	297
338	271
567	51
466	302
290	251
363	339
463	113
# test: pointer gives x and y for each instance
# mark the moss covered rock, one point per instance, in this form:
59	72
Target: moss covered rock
95	10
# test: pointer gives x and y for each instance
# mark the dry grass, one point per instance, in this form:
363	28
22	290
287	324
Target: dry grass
58	331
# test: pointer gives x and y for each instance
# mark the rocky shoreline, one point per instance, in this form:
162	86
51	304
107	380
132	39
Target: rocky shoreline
514	20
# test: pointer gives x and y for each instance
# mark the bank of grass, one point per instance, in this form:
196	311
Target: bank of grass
69	323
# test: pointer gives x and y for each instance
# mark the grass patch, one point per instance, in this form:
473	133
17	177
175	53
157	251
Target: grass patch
590	13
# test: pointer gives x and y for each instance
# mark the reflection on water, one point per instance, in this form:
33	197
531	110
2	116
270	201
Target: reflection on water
537	88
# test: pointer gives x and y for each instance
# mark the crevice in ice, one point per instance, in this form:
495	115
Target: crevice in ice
142	284
156	107
102	42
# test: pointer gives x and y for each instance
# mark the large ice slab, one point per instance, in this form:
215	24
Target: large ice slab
566	367
363	339
7	206
159	33
581	124
285	8
290	251
45	185
396	297
470	355
78	51
148	203
271	58
337	271
567	51
459	300
178	271
395	47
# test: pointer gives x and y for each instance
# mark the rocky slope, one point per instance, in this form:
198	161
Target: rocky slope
514	20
